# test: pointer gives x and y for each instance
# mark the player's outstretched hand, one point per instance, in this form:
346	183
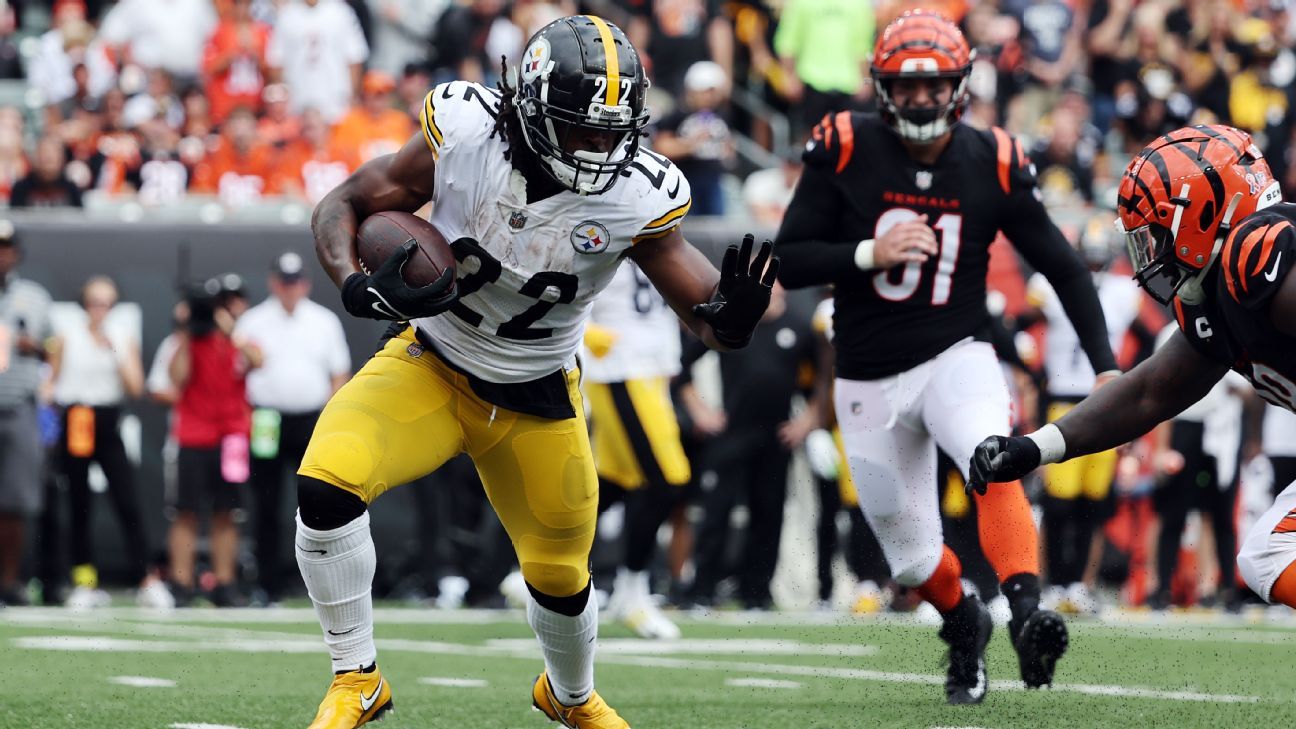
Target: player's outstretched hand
912	240
385	295
998	459
743	294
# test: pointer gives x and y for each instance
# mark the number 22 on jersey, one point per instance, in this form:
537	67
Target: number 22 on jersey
950	227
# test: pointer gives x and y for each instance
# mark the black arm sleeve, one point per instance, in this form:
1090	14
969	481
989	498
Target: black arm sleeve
1042	245
808	258
692	351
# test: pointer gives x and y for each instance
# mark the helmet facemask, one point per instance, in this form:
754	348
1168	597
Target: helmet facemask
923	125
550	131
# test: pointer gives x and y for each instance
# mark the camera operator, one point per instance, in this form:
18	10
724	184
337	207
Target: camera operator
211	426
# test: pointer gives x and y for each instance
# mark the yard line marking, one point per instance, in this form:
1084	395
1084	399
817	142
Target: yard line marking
312	645
896	677
454	682
142	681
204	726
769	683
719	646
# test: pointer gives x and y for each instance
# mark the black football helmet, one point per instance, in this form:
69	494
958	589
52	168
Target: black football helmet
579	75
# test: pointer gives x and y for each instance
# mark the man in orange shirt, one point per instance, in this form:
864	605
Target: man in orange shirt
239	170
374	127
314	163
234	63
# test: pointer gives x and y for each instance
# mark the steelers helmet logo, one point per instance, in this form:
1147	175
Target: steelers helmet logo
590	237
536	59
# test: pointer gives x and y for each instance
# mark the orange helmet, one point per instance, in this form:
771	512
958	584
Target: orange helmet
1179	198
921	44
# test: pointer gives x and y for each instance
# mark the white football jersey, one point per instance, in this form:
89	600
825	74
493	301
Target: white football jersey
1065	363
647	331
526	289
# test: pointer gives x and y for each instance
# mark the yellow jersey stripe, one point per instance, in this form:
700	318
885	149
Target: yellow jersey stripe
673	215
651	236
430	131
613	61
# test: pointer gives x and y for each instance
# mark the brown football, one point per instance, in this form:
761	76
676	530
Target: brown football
382	234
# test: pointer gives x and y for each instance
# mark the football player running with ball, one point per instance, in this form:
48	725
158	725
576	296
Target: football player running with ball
543	188
898	212
1208	233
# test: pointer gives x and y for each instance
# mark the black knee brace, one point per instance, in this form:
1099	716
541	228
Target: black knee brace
324	506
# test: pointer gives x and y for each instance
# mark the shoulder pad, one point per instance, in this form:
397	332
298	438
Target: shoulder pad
832	143
457	110
661	193
1013	167
1257	257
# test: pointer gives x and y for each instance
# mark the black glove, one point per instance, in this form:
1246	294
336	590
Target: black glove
998	459
742	295
385	295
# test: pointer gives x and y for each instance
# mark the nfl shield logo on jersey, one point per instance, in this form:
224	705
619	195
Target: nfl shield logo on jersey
517	220
923	180
590	237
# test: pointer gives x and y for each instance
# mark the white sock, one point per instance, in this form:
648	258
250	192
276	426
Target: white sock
568	645
338	568
638	582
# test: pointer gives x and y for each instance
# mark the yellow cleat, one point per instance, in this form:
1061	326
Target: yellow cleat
354	699
593	714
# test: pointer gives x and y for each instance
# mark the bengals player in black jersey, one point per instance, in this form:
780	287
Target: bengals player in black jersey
1209	235
898	212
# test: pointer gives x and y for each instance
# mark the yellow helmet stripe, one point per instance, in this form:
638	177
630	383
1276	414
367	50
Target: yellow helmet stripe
613	61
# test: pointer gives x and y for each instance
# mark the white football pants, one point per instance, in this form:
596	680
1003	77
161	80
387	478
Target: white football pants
1269	546
891	428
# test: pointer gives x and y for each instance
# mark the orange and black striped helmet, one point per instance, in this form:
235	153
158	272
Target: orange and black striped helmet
1179	198
922	44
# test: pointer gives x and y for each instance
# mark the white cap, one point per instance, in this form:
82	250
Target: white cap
705	75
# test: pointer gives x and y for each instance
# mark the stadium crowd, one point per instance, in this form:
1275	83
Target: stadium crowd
244	101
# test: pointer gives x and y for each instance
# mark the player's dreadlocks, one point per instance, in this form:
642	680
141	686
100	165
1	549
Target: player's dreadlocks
507	124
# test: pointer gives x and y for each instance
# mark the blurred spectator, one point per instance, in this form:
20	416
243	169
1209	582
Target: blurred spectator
767	192
11	65
198	122
465	39
212	420
825	47
1213	55
1064	159
234	63
412	88
70	43
156	102
374	127
305	361
165	34
13	160
24	325
401	31
240	169
750	440
96	368
314	163
279	125
47	185
697	138
1051	44
318	50
1255	101
1149	99
162	175
682	32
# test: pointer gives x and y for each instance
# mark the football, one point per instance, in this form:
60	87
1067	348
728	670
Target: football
382	234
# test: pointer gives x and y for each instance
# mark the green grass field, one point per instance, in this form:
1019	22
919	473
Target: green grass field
267	669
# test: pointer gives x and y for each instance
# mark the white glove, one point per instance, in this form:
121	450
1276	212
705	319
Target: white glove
821	454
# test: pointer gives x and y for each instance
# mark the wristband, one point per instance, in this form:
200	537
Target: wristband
864	254
1113	373
1051	444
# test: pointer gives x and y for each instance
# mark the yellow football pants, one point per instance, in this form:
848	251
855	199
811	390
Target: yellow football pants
1088	476
407	412
635	430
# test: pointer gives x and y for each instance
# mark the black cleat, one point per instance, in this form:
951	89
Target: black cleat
1040	641
967	630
